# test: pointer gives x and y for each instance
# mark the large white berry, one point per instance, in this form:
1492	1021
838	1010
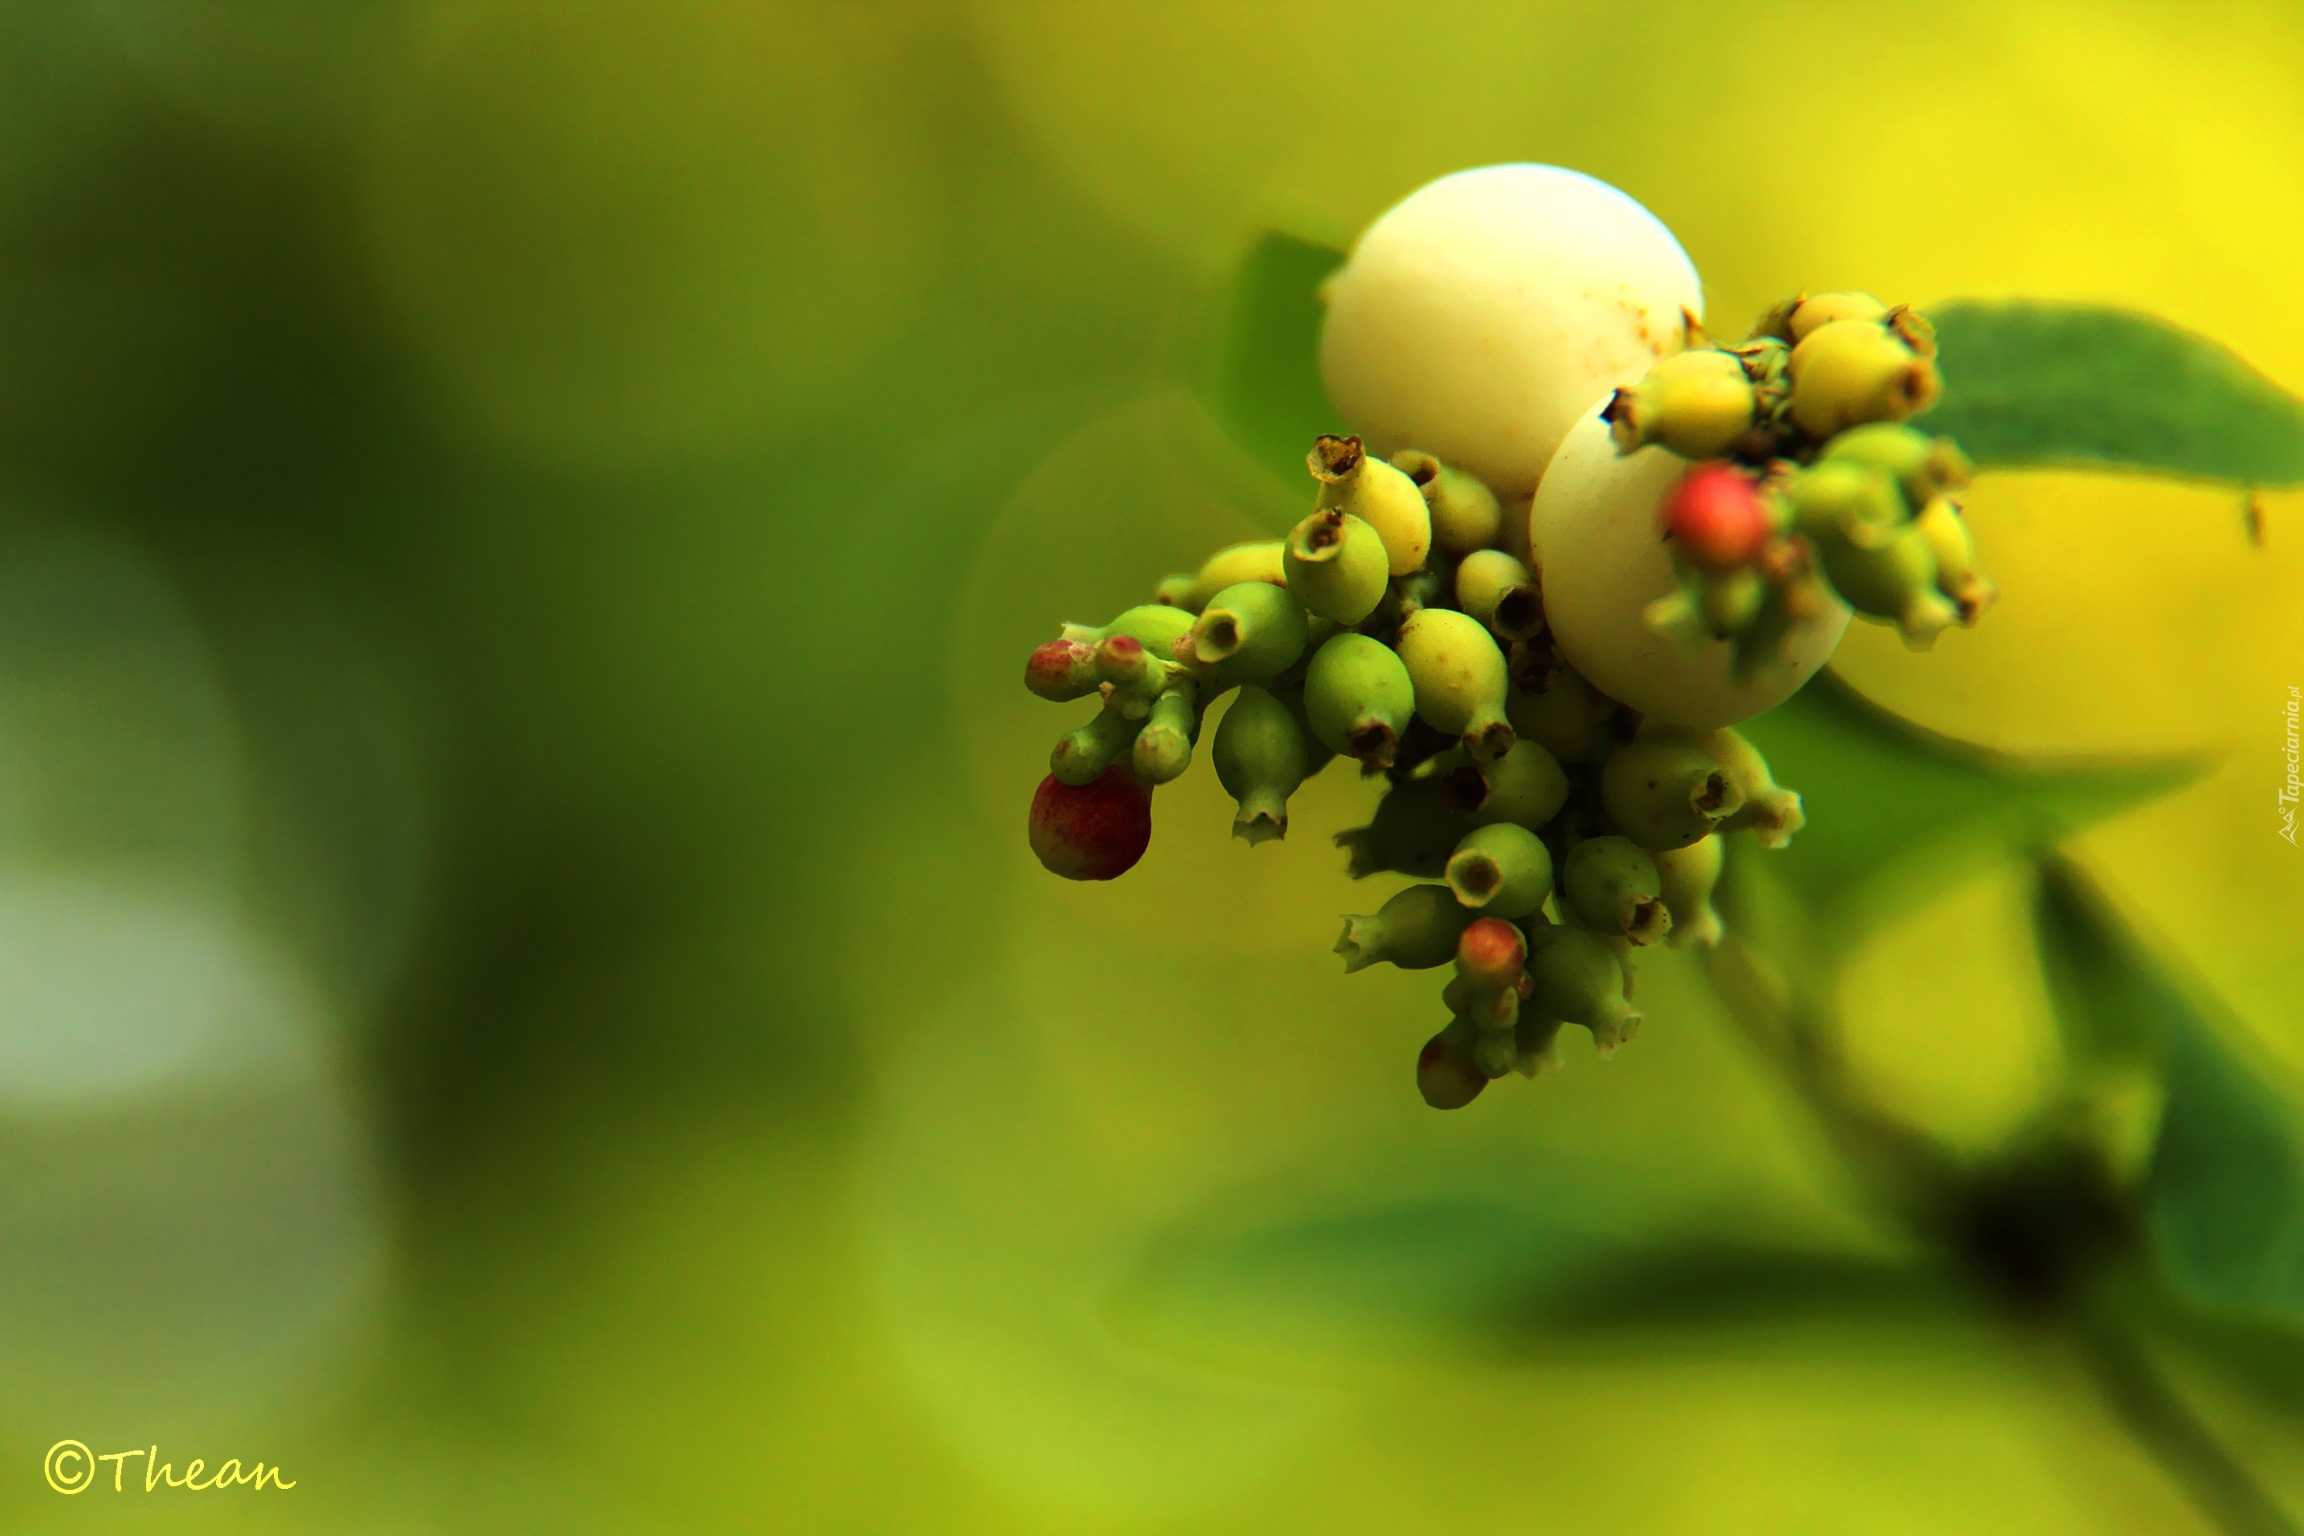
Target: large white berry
1601	561
1479	315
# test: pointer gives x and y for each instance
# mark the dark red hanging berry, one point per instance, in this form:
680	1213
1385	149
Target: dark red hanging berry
1094	831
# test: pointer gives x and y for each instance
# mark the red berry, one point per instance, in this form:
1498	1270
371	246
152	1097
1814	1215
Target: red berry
1062	670
1716	514
1091	831
1491	953
1445	1073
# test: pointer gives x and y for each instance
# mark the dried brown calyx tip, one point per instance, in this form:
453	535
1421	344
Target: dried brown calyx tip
1519	613
1333	459
1464	791
1420	468
1374	744
1778	321
1320	535
1717	796
1692	332
1912	328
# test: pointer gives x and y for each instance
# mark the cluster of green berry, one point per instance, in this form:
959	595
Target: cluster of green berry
1403	624
1812	488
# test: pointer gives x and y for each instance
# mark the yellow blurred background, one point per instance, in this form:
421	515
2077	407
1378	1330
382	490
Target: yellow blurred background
523	996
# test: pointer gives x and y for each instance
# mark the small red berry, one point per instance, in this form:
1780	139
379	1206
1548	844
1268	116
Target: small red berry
1491	953
1094	831
1717	516
1062	670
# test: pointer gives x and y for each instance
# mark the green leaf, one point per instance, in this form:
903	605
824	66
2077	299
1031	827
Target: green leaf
2030	383
1895	811
2225	1195
1263	385
1445	1275
2112	1004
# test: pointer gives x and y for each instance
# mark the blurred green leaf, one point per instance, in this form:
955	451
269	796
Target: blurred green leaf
2225	1195
1438	1275
1263	385
2032	383
1895	810
2111	1004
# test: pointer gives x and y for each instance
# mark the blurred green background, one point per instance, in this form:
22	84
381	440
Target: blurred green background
523	997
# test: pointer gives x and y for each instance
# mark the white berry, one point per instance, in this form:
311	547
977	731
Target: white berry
1478	316
1601	561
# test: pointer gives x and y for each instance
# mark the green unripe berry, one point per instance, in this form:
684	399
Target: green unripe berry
1336	566
1666	793
1814	311
1526	786
1687	877
1412	833
1416	930
1163	748
1894	583
1770	811
1501	870
1577	977
1564	716
1695	403
1155	626
1465	513
1445	1073
1848	372
1850	500
1259	560
1946	531
1459	679
1922	466
1379	495
1249	633
1613	885
1083	755
1261	756
1358	697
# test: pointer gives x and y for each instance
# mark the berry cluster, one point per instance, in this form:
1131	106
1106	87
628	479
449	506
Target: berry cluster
1811	488
1404	624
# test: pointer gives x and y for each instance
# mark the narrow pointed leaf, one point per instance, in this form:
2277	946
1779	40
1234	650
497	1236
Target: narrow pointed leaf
2225	1195
1895	811
2029	383
1263	384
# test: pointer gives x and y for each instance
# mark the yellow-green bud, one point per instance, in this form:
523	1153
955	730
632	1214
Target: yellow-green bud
1465	513
1893	584
1922	466
1335	565
1485	576
1687	876
1578	978
1664	792
1163	749
1412	833
1849	500
1376	493
1564	716
1416	930
1228	567
1817	310
1848	372
1174	591
1083	755
1613	886
1261	756
1695	403
1525	786
1249	633
1500	870
1770	811
1459	679
1155	626
1358	698
1946	531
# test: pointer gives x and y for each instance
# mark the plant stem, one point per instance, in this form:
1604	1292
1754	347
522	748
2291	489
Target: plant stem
2226	1492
